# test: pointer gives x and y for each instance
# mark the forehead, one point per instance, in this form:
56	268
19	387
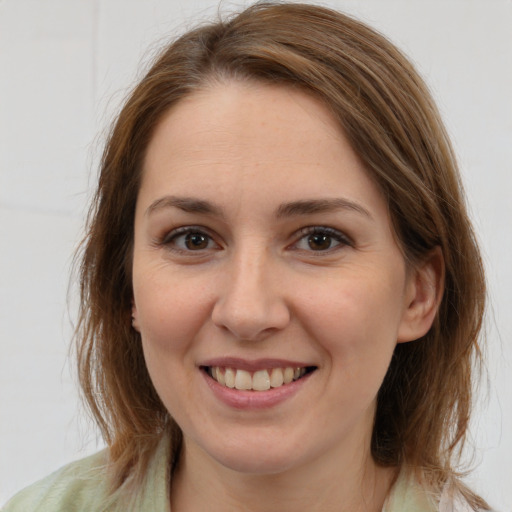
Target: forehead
235	140
248	113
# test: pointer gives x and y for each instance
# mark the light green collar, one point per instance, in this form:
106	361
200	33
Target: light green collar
407	495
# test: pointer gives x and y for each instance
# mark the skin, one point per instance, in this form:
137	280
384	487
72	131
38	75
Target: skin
256	285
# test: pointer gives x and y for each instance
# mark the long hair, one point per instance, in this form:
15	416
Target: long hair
387	113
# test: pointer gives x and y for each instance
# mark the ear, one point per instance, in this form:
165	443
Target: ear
424	291
135	317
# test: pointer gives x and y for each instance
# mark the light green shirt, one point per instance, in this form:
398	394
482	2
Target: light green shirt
82	487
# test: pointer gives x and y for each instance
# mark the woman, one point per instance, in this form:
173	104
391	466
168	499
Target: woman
281	290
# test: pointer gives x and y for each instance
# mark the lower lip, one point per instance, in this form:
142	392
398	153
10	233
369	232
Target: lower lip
250	400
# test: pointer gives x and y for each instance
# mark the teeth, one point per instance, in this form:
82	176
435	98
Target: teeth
277	378
261	380
219	376
243	380
288	375
229	377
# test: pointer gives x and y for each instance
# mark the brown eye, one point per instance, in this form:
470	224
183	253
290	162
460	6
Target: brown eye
189	239
196	241
319	242
321	239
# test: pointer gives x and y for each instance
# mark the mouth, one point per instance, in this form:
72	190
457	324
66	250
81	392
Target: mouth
259	380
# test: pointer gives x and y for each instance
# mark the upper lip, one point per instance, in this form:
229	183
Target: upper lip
253	365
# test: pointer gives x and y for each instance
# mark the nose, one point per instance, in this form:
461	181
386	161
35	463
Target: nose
250	303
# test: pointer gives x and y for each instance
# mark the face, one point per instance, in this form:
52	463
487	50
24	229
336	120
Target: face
269	290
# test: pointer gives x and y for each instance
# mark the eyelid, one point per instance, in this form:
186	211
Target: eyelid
167	239
342	239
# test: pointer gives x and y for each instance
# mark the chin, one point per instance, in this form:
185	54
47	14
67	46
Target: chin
257	465
256	458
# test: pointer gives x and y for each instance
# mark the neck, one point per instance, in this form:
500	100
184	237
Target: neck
337	482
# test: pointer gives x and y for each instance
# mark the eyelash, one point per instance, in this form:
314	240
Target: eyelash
330	233
170	239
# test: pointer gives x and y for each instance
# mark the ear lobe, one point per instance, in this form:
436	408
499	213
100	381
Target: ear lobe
135	320
423	296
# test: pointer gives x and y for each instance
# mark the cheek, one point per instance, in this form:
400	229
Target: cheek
356	323
170	314
170	311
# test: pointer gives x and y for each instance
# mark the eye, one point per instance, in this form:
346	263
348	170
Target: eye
189	239
321	239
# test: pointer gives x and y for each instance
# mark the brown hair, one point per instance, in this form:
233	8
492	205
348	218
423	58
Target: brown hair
388	115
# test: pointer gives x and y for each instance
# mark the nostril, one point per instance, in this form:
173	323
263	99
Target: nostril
251	322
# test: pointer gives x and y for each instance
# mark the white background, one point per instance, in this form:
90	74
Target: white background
65	65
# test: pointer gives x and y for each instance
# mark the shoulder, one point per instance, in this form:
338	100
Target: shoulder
79	486
83	486
408	494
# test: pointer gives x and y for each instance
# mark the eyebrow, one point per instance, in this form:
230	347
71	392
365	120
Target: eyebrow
310	206
186	204
291	209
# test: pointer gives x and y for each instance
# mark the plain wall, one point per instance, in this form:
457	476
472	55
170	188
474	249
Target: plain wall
65	65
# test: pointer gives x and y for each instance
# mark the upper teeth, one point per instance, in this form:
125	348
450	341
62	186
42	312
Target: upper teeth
261	380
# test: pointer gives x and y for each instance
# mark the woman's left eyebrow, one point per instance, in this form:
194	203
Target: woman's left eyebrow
310	206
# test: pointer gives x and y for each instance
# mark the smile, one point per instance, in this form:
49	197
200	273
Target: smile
260	380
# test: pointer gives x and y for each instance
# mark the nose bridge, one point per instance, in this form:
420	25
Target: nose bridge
250	303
